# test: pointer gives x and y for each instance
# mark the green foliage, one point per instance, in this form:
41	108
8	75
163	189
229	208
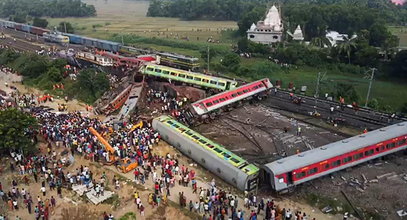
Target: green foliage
30	65
128	216
251	17
16	131
199	46
404	109
399	65
65	27
201	9
19	9
90	85
231	62
347	91
373	104
40	22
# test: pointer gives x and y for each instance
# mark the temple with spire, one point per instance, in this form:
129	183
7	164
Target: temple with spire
268	31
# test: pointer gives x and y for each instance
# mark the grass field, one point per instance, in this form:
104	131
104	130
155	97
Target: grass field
129	17
401	32
390	93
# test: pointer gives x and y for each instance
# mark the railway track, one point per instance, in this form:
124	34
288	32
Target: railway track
364	118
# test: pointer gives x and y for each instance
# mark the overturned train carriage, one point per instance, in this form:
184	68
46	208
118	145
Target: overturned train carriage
294	170
214	157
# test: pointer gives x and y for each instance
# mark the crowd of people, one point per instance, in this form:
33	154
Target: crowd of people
176	107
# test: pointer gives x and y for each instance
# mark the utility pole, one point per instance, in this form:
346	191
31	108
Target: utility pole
371	77
122	40
319	79
208	59
65	26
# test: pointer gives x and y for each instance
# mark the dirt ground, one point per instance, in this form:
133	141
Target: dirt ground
258	133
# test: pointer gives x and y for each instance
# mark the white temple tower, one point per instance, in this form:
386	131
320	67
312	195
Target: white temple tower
268	31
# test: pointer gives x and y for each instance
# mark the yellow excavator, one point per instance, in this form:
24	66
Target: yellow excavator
138	125
124	165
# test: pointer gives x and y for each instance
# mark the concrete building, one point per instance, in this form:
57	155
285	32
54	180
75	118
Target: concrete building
268	31
297	35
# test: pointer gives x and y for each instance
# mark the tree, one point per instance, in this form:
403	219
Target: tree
54	75
231	62
321	42
389	45
347	91
249	18
399	65
16	131
39	22
404	109
92	85
65	27
347	46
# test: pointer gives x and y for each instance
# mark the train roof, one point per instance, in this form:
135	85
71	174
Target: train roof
188	72
224	98
222	94
178	55
209	145
337	148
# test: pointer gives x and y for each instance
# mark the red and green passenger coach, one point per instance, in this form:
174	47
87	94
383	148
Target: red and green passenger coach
309	165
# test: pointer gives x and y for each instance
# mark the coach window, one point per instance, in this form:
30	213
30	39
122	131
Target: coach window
234	160
213	82
239	93
312	171
205	80
173	74
245	91
381	148
190	77
401	142
157	70
358	156
150	69
208	104
166	72
210	146
327	166
336	163
369	152
260	85
391	145
348	159
197	79
182	75
216	101
300	175
234	95
221	84
255	87
222	99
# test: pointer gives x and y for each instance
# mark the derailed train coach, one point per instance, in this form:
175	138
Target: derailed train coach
294	170
214	157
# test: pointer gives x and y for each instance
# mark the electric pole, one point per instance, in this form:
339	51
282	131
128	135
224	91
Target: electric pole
65	27
319	79
208	59
370	77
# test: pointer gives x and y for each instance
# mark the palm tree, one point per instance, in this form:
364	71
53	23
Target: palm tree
321	42
346	46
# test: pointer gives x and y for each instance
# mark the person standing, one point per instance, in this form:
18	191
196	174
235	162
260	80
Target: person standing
43	190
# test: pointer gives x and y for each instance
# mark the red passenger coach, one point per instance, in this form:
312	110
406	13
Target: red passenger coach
309	165
220	100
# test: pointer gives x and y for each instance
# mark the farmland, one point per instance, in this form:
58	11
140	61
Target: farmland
129	17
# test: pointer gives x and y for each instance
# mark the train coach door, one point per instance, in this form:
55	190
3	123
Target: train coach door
228	85
289	178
